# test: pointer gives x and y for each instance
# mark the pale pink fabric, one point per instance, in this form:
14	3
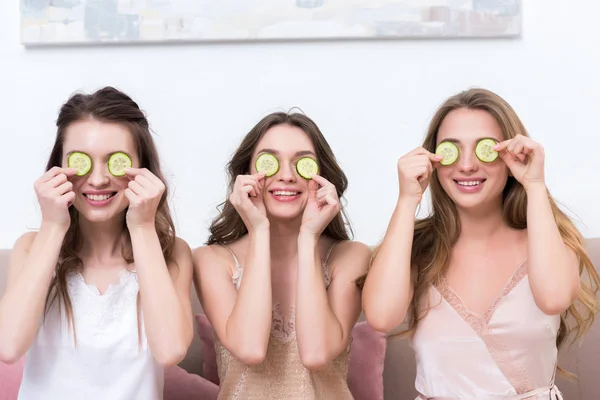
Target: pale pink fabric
509	353
181	385
10	379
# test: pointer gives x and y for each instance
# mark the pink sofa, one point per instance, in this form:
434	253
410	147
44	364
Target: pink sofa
399	368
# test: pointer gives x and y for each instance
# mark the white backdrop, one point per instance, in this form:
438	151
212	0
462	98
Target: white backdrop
372	99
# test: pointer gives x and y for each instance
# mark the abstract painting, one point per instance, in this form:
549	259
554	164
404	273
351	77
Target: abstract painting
50	22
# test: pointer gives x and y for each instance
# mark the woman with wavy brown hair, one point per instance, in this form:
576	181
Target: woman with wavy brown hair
98	298
277	279
491	279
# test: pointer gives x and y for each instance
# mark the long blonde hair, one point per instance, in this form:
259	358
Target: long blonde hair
435	235
106	105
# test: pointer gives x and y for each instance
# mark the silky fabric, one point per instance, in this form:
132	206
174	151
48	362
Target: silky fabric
108	361
281	375
509	353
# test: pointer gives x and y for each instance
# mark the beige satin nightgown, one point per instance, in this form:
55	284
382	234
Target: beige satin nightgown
281	376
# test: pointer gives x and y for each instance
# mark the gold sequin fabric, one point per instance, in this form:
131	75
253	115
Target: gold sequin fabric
281	376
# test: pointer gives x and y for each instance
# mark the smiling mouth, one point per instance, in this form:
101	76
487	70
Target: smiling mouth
285	193
470	183
99	197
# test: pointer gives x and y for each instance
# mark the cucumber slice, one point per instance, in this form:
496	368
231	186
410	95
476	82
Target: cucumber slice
449	151
117	163
485	150
307	167
81	162
267	162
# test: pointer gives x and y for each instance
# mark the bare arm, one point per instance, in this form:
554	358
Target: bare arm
325	317
241	319
389	287
165	295
30	270
32	263
553	268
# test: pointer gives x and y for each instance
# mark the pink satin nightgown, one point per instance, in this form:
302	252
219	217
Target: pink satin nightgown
507	354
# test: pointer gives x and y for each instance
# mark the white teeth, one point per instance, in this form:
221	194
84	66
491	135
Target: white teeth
284	193
468	183
95	197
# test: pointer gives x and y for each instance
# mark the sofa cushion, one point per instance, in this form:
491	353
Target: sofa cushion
181	385
367	357
209	356
365	371
10	379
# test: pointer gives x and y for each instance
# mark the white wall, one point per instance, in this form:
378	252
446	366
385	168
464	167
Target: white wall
372	100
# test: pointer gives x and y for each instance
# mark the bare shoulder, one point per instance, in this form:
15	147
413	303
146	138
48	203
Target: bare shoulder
181	247
24	243
205	258
18	254
350	256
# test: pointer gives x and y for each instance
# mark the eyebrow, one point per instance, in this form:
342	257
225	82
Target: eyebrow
297	154
107	155
453	140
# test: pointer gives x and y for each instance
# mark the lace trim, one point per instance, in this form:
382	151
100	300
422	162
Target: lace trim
124	276
519	274
514	370
283	328
97	313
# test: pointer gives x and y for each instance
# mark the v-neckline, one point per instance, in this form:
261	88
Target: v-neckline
456	302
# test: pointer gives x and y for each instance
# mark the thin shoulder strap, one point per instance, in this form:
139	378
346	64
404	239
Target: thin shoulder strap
329	252
235	259
326	273
239	271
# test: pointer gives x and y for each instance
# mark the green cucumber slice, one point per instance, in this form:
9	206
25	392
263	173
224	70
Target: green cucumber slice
117	163
307	167
449	151
267	162
81	162
485	150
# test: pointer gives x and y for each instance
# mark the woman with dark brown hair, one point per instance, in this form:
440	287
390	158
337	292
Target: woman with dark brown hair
277	278
98	298
491	279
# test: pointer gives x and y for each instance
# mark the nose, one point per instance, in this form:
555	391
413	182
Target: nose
286	173
98	176
468	161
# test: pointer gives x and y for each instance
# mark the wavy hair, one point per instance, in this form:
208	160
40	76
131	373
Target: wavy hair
112	106
435	235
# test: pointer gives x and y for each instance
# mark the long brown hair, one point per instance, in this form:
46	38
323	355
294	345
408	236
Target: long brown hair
435	235
228	225
105	105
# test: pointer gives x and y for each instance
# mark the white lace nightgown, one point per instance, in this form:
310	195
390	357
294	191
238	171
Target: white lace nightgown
108	362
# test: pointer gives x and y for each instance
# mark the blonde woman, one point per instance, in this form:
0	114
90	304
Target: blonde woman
489	278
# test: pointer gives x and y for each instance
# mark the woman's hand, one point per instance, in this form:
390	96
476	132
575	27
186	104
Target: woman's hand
247	198
524	158
55	195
